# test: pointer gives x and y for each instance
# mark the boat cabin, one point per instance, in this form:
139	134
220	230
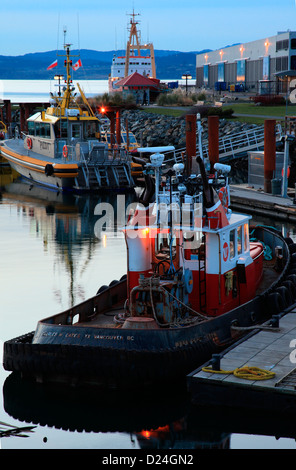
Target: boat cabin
184	239
57	137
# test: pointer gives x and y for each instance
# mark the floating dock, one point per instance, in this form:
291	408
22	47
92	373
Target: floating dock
271	349
256	201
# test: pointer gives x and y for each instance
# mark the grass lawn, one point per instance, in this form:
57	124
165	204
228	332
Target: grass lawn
248	109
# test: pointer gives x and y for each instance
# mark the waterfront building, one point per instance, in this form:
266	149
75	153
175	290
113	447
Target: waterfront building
263	66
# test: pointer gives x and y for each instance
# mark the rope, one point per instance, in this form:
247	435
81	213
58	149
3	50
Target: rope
248	373
267	251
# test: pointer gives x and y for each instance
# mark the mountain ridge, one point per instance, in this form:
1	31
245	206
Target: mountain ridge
96	65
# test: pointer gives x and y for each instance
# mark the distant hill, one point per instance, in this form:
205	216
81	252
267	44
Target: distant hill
96	64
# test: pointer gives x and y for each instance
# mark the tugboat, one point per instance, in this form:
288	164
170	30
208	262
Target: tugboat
62	149
197	280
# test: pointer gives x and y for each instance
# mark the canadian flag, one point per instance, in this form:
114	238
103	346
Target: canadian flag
51	66
77	65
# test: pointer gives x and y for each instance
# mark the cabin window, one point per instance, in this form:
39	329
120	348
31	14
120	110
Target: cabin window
232	243
239	240
90	129
61	129
193	242
76	131
246	237
45	130
132	138
31	128
162	246
37	129
41	129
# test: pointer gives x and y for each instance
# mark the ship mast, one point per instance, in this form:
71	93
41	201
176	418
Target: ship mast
66	99
134	44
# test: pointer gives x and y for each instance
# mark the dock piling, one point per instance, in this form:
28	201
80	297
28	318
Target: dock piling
213	132
269	153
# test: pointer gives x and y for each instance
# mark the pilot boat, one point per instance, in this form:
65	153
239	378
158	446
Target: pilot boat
62	148
198	278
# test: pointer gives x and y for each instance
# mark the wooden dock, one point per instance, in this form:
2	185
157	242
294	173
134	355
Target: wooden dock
256	201
270	349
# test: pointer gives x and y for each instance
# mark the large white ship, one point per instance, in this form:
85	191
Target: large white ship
138	58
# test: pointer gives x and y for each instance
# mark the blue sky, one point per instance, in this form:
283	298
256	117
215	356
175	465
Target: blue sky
36	26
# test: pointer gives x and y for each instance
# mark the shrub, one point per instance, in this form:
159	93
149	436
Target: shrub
269	100
206	111
176	98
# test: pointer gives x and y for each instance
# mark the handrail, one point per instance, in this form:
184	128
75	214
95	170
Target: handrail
231	145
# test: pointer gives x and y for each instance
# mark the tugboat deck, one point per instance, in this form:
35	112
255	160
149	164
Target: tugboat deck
270	349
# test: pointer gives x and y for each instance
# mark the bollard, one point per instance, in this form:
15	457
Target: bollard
215	361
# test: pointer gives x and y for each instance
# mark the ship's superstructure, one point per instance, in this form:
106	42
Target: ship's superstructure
138	58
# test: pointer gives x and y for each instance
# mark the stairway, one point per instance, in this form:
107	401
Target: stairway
122	176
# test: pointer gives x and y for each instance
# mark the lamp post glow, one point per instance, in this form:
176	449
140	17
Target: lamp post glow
186	76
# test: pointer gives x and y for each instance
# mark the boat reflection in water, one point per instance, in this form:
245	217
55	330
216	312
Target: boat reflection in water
153	420
65	221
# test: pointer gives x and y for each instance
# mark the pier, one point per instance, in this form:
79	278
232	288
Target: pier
270	348
256	201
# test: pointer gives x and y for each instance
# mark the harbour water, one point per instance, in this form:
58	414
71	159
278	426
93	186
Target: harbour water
52	257
24	91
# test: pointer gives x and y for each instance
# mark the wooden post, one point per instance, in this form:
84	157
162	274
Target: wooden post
118	128
127	134
269	153
213	138
190	141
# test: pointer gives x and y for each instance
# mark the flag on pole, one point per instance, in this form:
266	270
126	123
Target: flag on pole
77	65
51	66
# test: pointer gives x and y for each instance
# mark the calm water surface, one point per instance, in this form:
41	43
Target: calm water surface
51	258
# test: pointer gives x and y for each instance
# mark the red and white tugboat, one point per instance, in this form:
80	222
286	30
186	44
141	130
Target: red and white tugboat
196	278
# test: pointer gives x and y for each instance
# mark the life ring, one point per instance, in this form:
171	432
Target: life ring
29	142
288	172
65	151
223	196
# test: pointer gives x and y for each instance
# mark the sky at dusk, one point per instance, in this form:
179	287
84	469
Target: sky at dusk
37	26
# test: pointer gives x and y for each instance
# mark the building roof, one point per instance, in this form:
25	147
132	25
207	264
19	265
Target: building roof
137	80
286	73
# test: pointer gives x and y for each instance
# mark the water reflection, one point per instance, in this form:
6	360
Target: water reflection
65	222
153	419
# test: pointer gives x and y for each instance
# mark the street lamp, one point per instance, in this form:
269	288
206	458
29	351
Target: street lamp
186	76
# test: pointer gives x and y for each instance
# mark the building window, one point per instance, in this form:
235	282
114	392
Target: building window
293	43
281	63
293	62
282	45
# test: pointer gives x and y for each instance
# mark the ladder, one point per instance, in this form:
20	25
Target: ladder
202	277
121	175
101	175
